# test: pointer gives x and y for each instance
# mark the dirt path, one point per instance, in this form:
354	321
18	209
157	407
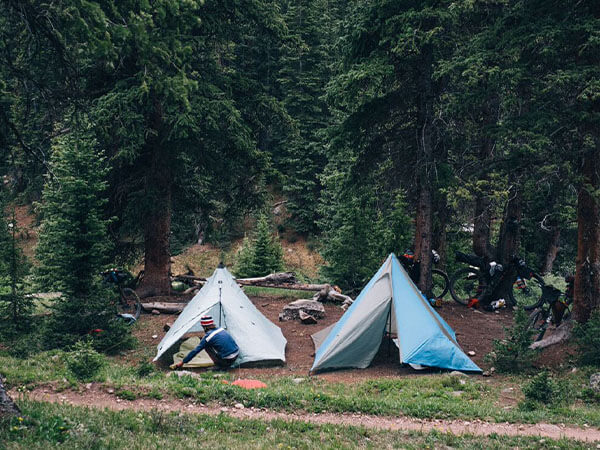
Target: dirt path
99	399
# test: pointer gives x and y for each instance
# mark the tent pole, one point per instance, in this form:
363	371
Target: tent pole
220	307
389	327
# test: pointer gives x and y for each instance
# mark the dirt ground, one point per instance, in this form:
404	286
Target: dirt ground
475	331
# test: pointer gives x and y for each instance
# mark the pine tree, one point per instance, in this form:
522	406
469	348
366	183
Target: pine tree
262	255
15	307
73	240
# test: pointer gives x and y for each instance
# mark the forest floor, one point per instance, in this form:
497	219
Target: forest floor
432	402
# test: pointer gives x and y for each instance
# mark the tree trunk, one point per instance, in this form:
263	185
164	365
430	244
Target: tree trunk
483	215
424	219
7	406
157	215
508	242
157	260
551	250
587	275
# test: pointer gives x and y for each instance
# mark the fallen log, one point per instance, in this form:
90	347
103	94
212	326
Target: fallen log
561	334
274	278
329	293
169	308
283	280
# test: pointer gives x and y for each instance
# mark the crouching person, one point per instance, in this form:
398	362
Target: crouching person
217	342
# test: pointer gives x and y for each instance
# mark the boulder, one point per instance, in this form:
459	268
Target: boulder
595	382
292	310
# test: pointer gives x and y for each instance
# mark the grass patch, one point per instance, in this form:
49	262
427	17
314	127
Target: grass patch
51	426
425	396
257	291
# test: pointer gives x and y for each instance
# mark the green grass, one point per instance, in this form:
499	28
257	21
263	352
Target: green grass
257	291
424	396
47	425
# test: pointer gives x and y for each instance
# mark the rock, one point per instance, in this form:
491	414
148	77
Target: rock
156	312
292	310
154	336
456	373
297	380
471	353
111	391
306	319
487	373
167	326
595	382
180	373
224	409
88	386
239	406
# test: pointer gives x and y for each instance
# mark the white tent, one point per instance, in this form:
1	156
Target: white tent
221	297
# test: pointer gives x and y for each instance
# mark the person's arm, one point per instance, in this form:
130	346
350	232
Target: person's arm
194	352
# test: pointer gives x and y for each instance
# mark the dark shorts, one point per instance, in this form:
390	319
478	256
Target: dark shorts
220	362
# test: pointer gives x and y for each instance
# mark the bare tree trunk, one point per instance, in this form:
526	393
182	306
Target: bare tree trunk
7	406
587	275
483	214
157	220
424	222
157	261
551	250
508	242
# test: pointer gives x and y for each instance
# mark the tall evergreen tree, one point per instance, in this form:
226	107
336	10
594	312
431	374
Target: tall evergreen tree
15	307
73	241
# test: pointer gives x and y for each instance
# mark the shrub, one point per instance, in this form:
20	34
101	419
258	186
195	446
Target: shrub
114	337
84	362
513	354
587	338
144	369
542	388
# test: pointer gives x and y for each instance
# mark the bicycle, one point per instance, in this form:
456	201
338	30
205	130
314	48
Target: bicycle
439	277
554	308
128	306
488	281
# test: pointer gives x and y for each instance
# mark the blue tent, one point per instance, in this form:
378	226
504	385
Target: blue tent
390	303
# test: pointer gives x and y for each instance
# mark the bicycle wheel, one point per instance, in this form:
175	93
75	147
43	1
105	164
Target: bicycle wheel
465	284
440	283
537	323
130	303
527	293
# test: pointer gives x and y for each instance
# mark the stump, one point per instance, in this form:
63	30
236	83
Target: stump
306	319
292	310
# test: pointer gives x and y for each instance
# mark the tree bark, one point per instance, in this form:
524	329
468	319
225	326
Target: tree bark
424	219
482	219
508	242
587	275
551	250
157	215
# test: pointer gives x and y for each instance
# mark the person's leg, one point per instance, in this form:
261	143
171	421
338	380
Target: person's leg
219	362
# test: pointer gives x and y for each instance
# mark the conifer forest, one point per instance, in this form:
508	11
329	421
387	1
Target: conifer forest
134	130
